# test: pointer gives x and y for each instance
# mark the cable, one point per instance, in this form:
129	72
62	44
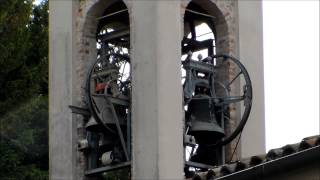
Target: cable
200	13
235	148
111	14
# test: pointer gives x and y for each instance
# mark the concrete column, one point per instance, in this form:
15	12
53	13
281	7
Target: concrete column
62	151
157	92
251	55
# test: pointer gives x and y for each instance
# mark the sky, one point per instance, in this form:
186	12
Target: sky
291	70
37	2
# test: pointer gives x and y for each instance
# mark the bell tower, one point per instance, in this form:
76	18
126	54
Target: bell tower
128	86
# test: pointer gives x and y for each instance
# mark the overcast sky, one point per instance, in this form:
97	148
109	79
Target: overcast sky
291	60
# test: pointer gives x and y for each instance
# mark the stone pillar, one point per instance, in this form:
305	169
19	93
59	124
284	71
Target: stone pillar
157	91
62	129
251	55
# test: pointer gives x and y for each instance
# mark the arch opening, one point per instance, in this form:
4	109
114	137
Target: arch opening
108	89
210	79
197	46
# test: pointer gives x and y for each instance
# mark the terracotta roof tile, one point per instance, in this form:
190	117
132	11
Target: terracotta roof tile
273	154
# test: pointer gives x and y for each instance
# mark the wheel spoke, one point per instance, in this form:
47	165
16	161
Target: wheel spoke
230	99
228	85
99	113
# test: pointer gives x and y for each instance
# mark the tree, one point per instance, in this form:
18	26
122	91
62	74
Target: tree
15	78
37	59
23	90
24	52
24	144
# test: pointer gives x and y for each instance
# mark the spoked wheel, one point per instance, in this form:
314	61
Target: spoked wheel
108	93
109	79
236	93
217	90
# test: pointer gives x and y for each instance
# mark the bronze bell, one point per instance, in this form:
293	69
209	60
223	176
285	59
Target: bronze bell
202	120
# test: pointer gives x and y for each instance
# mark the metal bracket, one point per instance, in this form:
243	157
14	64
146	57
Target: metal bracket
198	165
80	110
107	168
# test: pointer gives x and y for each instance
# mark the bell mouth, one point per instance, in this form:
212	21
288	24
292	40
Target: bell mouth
206	126
207	137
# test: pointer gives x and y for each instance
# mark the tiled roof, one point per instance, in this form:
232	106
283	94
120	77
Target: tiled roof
273	154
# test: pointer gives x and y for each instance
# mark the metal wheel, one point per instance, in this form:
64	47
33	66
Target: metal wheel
109	77
238	77
108	92
227	85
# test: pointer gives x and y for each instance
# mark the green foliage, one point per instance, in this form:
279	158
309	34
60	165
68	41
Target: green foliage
14	17
37	60
23	90
24	146
11	166
10	158
24	49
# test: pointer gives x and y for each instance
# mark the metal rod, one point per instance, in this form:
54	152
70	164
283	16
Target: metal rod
227	86
111	14
220	97
223	150
206	34
99	170
93	154
235	148
191	153
124	66
129	134
115	34
113	111
199	13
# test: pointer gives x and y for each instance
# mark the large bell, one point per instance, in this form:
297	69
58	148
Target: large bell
205	129
202	119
